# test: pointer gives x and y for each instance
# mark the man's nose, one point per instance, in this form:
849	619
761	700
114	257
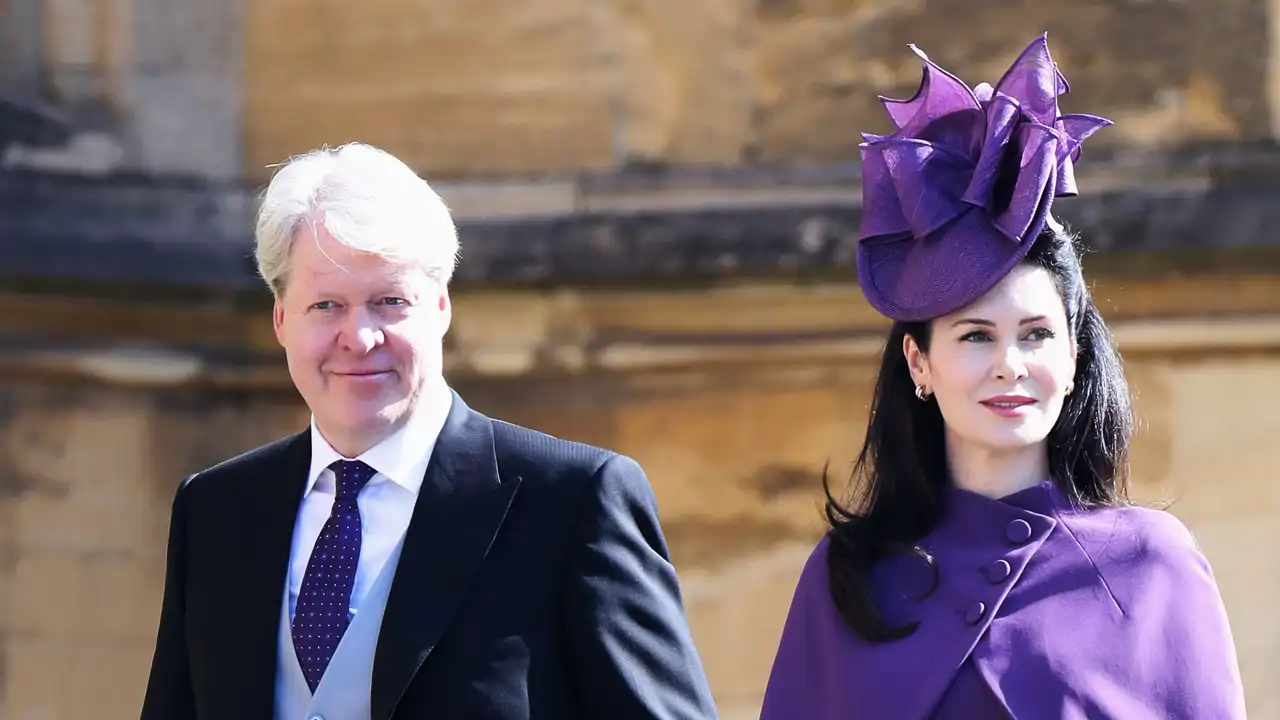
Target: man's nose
363	331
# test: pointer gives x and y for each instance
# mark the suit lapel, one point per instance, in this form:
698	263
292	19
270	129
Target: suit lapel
459	511
270	511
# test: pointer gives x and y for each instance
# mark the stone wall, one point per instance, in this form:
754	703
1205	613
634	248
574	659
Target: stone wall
219	87
732	398
514	88
151	85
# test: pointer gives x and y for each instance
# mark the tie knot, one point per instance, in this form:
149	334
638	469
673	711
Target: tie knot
352	476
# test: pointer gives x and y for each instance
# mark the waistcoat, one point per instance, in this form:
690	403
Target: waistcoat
343	692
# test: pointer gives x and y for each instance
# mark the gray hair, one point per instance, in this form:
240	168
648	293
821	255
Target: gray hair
366	199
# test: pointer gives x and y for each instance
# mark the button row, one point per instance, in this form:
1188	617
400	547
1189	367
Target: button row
1018	532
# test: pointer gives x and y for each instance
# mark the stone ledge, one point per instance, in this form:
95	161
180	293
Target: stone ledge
639	227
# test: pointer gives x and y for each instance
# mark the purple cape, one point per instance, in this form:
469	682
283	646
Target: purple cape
1041	612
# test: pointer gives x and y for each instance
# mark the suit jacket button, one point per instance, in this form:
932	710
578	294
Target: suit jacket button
1018	532
998	571
316	716
974	613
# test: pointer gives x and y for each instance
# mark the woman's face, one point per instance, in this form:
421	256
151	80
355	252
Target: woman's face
1000	368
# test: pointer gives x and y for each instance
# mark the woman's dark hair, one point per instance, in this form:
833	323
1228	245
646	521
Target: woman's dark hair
900	476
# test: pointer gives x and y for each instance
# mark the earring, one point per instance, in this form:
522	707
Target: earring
1071	388
921	395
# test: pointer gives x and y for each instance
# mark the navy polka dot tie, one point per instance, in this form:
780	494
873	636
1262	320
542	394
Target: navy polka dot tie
320	616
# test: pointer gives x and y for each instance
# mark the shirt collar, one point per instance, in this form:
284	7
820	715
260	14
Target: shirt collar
402	457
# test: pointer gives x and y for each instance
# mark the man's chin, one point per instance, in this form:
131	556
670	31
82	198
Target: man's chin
376	415
372	413
360	426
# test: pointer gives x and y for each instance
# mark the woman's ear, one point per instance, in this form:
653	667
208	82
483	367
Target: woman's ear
917	361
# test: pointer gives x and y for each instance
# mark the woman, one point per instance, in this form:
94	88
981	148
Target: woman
991	566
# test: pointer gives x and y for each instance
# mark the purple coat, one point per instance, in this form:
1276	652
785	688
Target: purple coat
1041	612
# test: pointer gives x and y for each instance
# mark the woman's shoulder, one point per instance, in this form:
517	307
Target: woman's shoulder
1132	542
814	570
1145	530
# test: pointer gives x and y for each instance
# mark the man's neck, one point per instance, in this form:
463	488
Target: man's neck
351	445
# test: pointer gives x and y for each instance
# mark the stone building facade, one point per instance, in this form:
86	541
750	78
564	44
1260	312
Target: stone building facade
659	206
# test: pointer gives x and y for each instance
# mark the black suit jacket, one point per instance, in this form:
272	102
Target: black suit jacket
534	582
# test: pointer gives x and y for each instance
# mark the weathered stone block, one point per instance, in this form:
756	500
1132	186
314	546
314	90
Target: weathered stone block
124	608
105	680
47	595
685	84
510	89
452	87
33	678
1166	72
56	522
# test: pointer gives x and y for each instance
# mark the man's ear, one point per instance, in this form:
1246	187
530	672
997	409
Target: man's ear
277	320
445	305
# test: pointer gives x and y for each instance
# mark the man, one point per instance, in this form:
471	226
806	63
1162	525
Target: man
406	556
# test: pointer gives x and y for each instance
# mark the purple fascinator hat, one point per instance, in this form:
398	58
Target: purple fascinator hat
954	199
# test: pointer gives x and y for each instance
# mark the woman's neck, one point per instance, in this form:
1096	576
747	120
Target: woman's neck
996	473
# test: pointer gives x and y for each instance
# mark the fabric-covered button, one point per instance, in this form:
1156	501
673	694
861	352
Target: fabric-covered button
997	571
974	613
316	716
1019	531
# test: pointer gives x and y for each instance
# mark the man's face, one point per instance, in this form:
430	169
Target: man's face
363	337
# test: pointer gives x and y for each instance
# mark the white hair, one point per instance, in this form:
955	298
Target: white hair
367	199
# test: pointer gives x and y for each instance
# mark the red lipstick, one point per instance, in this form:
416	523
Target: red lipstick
1007	405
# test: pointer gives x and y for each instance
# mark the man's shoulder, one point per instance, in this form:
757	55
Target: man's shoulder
525	450
248	464
572	472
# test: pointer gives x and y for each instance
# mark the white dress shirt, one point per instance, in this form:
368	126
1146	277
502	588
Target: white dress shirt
385	503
